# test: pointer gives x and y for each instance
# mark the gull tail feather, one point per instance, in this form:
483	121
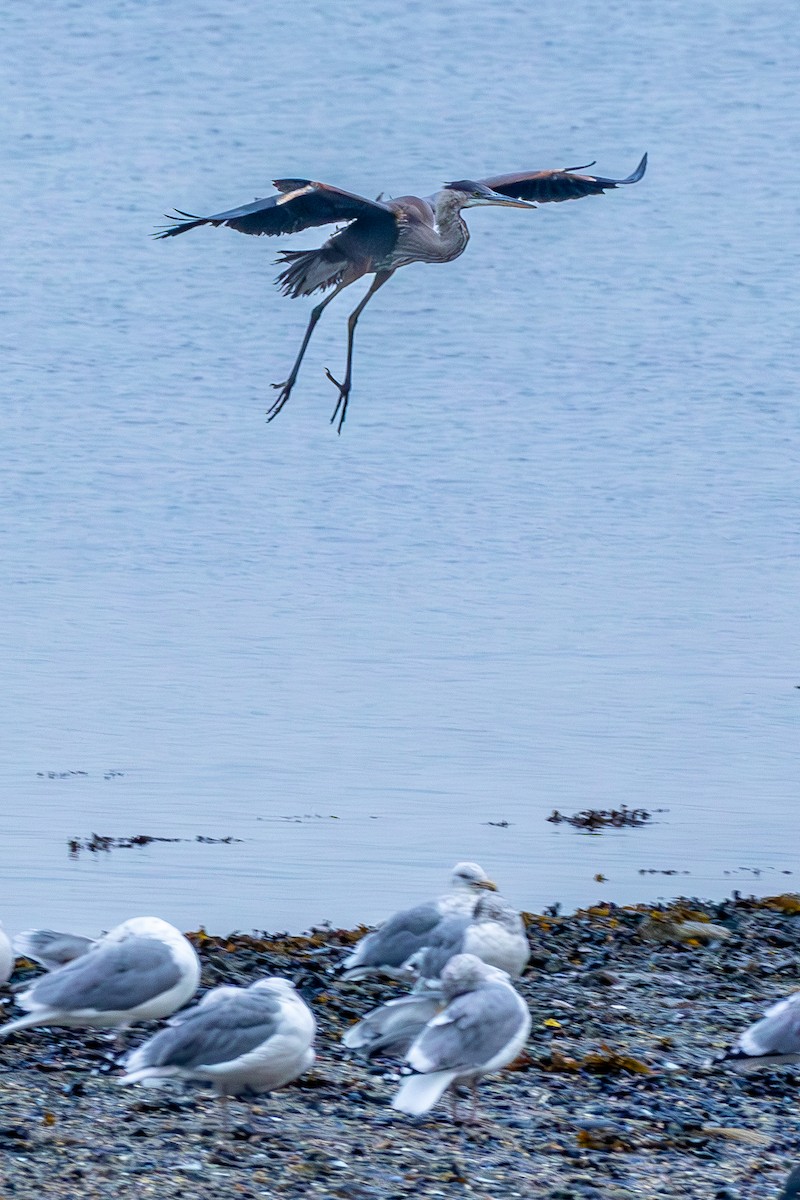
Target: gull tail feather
31	943
147	1075
419	1093
40	1017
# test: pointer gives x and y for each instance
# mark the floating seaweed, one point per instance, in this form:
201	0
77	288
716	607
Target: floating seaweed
602	818
98	843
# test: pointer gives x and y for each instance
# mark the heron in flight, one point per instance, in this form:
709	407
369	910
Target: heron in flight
379	236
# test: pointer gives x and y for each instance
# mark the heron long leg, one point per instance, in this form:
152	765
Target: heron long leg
344	387
286	388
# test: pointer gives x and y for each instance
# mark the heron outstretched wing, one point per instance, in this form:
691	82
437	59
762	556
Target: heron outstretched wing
557	185
299	204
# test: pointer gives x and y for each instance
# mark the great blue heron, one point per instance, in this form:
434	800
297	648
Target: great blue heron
380	236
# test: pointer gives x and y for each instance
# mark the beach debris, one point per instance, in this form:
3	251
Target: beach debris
668	927
604	1061
787	902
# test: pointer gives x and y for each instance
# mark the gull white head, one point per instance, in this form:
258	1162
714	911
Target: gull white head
274	983
468	876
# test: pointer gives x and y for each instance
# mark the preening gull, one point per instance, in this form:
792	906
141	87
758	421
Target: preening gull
142	970
51	948
482	1028
386	949
773	1040
495	933
240	1039
6	957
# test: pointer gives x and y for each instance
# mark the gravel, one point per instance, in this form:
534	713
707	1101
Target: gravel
613	1097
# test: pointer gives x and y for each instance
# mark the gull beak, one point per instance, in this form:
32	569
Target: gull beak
488	885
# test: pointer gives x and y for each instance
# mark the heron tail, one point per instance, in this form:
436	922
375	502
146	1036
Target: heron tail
309	271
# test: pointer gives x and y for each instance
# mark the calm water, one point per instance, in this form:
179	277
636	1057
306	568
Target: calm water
551	562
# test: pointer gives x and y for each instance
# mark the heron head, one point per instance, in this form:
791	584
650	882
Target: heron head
475	193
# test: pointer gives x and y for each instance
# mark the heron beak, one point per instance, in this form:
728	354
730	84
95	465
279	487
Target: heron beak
488	885
498	198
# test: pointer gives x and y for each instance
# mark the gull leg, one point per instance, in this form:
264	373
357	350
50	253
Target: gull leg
226	1114
344	387
286	387
473	1112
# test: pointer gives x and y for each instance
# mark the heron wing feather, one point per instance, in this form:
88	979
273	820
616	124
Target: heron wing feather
299	204
558	185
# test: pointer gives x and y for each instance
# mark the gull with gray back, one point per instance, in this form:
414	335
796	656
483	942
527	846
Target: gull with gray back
482	1028
387	949
495	933
142	970
243	1040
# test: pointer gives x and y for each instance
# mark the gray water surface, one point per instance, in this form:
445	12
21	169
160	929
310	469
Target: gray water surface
551	562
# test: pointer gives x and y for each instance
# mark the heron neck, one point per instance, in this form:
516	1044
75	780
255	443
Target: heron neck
450	224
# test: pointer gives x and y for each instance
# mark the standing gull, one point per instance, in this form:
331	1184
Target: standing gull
142	970
773	1040
386	949
250	1039
6	957
50	948
482	1028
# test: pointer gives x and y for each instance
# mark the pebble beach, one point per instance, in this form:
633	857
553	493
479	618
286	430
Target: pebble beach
614	1095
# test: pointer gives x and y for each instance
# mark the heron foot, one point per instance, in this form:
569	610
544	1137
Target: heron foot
341	403
280	400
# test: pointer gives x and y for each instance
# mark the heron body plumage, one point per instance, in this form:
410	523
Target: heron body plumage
380	236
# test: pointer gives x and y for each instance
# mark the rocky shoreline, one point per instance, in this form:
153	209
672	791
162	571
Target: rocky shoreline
612	1099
